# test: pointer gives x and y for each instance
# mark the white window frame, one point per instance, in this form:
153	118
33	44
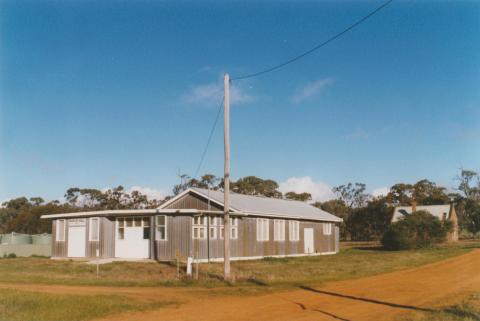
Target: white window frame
157	226
294	231
279	230
57	236
199	227
213	222
327	228
234	228
263	229
90	229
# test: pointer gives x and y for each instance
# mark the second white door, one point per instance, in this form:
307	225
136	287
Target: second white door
308	240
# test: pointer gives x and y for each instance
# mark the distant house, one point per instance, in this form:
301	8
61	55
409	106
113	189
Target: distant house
443	212
191	225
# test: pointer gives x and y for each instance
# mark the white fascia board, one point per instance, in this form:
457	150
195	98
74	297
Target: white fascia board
134	213
99	213
117	213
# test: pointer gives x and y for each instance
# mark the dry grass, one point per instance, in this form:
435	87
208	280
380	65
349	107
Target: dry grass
32	306
467	310
349	263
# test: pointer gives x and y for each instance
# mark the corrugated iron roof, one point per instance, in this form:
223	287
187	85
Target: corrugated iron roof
270	206
435	210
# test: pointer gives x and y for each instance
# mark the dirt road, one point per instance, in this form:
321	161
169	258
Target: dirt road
380	297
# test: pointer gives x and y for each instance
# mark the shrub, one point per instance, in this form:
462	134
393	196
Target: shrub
418	230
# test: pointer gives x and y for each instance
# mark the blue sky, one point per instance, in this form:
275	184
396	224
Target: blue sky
96	94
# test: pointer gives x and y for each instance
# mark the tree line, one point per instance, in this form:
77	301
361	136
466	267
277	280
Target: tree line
365	217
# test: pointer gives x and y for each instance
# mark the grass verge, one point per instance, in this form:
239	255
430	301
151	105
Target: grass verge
32	306
467	310
269	272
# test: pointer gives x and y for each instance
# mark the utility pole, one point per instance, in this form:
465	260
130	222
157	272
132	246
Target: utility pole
226	179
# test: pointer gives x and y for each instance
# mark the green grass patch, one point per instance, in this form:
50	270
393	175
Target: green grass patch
468	310
348	264
34	306
277	272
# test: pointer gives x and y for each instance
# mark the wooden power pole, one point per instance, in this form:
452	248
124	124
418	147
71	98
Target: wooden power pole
226	179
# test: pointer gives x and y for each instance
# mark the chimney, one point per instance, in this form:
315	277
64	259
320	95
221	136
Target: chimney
414	206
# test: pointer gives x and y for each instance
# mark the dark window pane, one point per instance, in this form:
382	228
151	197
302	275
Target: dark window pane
120	233
146	233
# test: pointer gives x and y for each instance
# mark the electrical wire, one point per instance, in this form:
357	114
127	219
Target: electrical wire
210	137
283	64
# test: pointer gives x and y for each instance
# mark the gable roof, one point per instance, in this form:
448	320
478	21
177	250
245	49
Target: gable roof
263	206
435	210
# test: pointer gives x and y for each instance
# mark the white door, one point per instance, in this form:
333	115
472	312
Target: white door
76	238
308	240
132	240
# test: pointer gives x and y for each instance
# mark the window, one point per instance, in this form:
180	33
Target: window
262	229
279	230
94	229
145	223
234	228
213	222
161	226
137	221
200	227
294	231
327	228
61	230
121	228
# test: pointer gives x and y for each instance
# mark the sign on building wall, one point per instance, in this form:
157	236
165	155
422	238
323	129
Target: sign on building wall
77	222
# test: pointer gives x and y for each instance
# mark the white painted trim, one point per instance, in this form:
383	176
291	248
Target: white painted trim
57	239
156	226
327	229
143	212
242	258
278	232
90	229
135	213
293	226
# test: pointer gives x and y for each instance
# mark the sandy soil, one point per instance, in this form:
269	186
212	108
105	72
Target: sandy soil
381	297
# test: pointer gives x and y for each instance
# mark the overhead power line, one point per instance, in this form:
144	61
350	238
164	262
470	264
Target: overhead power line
212	130
338	35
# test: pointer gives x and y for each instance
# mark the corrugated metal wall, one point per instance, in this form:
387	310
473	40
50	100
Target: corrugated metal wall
106	243
190	201
247	245
179	237
59	249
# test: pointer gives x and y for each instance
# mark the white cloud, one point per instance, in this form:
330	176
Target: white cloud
212	93
151	193
311	89
320	191
381	191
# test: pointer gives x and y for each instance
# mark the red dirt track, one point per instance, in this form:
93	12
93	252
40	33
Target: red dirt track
381	297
